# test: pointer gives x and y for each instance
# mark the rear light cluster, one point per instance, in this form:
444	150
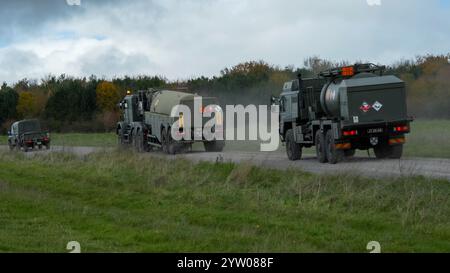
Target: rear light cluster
401	129
351	133
394	141
343	146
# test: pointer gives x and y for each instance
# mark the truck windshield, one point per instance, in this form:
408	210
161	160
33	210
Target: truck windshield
29	126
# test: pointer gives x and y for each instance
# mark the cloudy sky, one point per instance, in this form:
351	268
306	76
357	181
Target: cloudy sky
185	38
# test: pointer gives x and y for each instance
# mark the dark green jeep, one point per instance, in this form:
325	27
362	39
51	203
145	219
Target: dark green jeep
26	135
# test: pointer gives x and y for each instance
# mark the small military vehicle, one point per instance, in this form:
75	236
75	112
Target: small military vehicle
147	123
27	134
342	110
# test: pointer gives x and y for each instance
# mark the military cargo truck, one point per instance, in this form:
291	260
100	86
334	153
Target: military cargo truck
146	123
27	134
342	110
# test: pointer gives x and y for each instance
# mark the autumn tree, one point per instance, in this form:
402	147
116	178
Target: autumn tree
108	96
428	93
26	105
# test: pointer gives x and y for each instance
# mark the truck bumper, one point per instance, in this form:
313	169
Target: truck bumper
370	136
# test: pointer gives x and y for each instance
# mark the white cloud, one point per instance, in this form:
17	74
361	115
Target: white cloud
73	2
181	39
374	2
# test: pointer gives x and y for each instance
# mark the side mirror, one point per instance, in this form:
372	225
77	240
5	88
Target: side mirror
274	100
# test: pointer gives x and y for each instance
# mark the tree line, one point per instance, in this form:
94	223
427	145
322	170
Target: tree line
66	103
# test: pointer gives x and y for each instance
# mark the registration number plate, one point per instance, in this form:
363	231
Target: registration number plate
375	131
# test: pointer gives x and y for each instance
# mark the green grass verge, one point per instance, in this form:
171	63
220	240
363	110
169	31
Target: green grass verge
111	202
429	138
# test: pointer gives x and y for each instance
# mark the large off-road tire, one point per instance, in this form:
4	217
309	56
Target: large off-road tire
293	149
350	153
334	155
147	147
164	140
397	152
132	140
386	151
120	142
214	146
47	146
11	146
381	151
138	141
320	147
172	146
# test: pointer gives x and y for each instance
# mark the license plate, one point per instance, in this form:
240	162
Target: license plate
39	143
375	131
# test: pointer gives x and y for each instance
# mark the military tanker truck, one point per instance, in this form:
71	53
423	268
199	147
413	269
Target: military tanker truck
146	122
342	110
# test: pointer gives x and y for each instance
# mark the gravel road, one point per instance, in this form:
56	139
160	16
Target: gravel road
365	166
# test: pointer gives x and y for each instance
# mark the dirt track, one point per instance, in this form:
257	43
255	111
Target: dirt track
439	168
359	165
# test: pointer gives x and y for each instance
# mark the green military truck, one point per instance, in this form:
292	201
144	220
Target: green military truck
27	134
146	123
343	110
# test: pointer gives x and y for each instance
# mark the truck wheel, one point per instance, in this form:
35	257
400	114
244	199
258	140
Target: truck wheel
350	153
334	155
11	147
320	147
147	147
164	140
397	152
120	142
293	149
138	140
382	151
132	140
171	145
393	152
214	146
47	146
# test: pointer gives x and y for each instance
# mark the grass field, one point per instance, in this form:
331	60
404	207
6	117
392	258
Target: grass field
429	138
113	202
